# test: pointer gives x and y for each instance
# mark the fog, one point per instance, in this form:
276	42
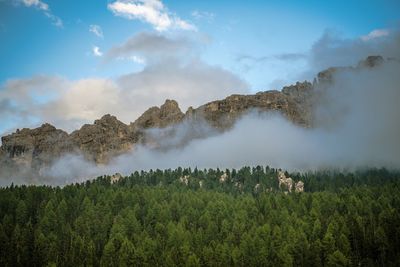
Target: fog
357	126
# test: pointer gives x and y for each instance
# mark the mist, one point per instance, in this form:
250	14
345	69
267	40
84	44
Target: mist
356	126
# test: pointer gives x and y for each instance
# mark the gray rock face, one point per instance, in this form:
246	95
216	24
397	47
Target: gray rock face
35	147
99	142
159	117
223	113
104	139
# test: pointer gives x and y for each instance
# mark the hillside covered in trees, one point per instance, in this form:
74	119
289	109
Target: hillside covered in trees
191	217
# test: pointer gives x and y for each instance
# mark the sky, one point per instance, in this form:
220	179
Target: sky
69	62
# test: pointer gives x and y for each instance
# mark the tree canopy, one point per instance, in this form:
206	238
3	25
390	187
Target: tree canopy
160	218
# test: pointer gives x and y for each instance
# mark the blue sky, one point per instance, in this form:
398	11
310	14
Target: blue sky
31	45
246	39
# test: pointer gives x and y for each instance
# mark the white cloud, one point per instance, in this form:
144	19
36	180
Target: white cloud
46	10
151	11
96	29
36	3
97	52
85	100
375	34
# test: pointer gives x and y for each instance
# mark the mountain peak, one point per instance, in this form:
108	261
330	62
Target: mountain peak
159	117
107	120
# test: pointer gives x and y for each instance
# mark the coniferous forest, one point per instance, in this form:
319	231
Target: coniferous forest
190	217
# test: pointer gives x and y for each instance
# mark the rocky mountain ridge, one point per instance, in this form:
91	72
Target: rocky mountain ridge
108	137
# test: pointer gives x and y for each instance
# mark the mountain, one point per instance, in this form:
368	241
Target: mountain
108	137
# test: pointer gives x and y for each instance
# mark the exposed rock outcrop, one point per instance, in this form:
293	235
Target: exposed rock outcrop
115	178
222	114
35	147
38	147
184	179
299	187
286	183
223	178
104	139
159	117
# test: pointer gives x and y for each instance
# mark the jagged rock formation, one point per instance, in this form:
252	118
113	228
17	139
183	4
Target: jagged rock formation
98	142
108	136
105	138
222	114
35	147
159	117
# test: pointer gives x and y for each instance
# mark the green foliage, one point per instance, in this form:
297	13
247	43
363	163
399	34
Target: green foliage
154	219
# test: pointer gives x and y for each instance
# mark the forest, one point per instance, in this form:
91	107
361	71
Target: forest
192	217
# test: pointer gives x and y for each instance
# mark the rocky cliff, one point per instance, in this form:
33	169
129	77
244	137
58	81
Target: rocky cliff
34	147
292	102
159	117
108	137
